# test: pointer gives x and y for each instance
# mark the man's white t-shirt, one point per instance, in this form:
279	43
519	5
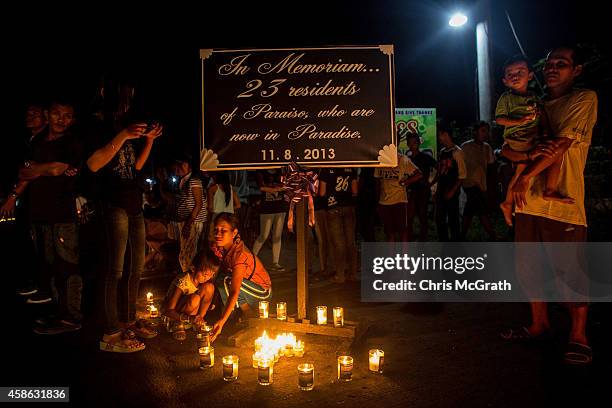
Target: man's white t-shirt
391	192
572	116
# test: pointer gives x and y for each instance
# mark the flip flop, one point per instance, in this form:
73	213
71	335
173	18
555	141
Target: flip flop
124	344
577	354
141	330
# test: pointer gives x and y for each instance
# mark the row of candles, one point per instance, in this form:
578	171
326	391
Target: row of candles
268	350
281	313
264	307
265	367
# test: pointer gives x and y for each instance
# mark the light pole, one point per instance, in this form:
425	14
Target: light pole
483	59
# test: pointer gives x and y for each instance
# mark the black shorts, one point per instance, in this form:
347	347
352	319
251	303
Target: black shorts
476	203
394	217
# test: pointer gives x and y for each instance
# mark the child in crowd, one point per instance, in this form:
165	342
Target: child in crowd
190	294
520	112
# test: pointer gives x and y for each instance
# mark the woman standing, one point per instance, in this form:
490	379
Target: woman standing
122	152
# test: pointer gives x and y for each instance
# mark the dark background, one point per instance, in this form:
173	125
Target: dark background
69	48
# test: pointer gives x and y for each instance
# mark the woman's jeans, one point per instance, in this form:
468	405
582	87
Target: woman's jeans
125	240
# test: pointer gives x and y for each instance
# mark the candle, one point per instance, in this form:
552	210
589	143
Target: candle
265	371
299	349
338	316
230	368
321	314
345	368
288	350
281	311
377	358
256	357
306	376
149	298
203	338
207	357
153	312
263	309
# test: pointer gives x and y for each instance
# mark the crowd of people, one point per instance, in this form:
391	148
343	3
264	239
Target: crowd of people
63	178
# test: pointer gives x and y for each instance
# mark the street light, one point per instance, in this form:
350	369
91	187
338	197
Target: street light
457	20
483	61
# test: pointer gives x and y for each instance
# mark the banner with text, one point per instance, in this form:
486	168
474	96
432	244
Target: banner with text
417	120
329	106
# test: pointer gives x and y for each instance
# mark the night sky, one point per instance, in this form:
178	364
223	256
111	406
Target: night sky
158	46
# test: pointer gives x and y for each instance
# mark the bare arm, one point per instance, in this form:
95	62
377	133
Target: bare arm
412	179
36	170
146	149
235	199
355	187
505	121
171	305
144	154
234	291
322	188
105	154
8	208
557	148
211	195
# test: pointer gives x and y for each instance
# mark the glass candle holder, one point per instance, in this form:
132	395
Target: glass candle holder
338	316
203	339
345	368
376	361
288	350
153	312
265	371
149	298
264	308
258	344
321	314
306	376
230	368
207	357
298	350
256	357
281	311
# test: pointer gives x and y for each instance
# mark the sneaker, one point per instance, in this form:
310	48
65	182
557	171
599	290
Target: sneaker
277	267
26	291
39	298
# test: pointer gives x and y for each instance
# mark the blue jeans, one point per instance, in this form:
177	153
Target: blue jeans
57	246
125	235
